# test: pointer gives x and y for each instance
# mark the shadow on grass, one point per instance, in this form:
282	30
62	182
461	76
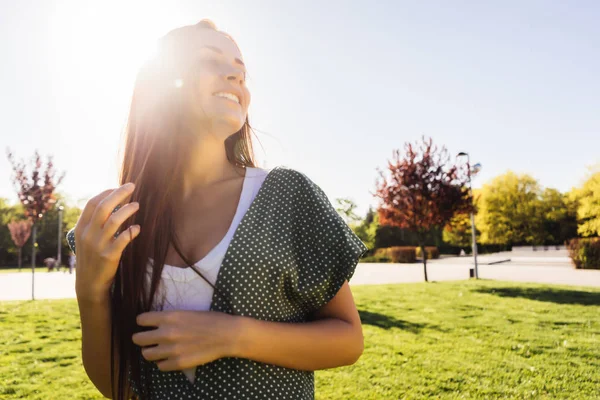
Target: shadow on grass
558	296
388	322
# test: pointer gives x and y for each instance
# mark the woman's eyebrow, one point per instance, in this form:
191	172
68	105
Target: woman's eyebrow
218	50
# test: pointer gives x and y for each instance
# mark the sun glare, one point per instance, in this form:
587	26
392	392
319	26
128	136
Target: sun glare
104	45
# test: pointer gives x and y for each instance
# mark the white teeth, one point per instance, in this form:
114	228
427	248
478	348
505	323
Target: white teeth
229	96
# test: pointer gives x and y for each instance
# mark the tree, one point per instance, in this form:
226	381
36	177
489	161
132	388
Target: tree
8	213
366	230
423	190
559	216
457	231
510	210
19	232
46	233
346	209
588	211
36	194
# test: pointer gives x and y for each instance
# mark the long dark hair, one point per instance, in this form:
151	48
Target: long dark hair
156	148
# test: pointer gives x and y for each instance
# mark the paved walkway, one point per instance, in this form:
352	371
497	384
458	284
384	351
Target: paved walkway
56	285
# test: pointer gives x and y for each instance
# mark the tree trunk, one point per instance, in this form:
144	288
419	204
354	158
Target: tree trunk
33	263
424	255
20	249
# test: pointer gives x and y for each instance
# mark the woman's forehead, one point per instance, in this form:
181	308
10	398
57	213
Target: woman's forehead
219	42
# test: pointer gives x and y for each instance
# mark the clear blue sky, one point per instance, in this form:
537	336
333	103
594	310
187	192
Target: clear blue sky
336	85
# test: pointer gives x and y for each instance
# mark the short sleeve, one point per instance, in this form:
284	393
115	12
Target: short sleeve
71	239
327	250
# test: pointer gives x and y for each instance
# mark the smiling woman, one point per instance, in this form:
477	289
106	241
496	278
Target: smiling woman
266	303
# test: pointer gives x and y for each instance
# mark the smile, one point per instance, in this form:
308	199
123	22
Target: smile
229	96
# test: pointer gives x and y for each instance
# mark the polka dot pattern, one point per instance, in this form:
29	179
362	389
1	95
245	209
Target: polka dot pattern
289	257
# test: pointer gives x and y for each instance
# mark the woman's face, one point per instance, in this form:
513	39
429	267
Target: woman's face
219	98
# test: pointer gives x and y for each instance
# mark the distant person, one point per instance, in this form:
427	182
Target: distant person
72	261
236	285
50	263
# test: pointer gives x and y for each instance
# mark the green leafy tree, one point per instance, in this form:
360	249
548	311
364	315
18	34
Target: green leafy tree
510	210
588	211
346	208
457	232
559	217
366	230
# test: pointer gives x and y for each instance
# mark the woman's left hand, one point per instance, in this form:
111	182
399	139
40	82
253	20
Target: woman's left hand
185	339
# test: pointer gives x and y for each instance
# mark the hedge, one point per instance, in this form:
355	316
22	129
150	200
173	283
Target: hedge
398	254
585	253
432	252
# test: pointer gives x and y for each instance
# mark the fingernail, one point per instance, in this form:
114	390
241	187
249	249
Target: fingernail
129	185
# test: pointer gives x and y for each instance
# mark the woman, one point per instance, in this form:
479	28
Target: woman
267	303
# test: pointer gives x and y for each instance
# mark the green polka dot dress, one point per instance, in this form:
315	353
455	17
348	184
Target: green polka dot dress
288	258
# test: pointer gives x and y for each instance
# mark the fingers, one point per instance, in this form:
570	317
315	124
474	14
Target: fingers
117	219
151	318
147	338
89	208
124	238
106	206
160	352
176	363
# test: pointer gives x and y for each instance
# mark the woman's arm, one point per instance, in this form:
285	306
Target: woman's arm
334	340
95	342
98	254
184	339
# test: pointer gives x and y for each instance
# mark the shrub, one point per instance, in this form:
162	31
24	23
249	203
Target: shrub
432	252
373	259
585	253
493	248
397	254
446	248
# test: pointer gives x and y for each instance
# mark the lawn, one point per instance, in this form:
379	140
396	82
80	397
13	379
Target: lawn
458	340
26	269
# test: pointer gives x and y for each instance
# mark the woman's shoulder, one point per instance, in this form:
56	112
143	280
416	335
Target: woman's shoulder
290	176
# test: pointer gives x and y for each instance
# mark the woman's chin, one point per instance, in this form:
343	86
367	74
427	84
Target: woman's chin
230	124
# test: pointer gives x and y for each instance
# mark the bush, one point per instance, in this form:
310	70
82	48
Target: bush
449	249
446	248
585	253
492	248
432	252
398	254
373	259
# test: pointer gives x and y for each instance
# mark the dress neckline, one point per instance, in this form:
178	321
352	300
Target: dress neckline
175	271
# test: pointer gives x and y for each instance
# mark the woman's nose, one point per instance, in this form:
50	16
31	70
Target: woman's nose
236	75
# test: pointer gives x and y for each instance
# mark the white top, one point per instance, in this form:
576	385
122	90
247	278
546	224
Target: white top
184	289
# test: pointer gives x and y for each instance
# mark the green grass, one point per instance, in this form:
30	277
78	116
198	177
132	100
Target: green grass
470	339
27	270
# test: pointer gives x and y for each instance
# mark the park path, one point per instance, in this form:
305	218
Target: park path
56	285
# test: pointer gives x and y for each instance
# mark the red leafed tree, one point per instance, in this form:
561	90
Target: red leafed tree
36	193
20	232
423	190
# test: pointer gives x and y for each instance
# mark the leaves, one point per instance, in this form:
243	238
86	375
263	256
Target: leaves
588	212
513	209
424	190
20	232
36	192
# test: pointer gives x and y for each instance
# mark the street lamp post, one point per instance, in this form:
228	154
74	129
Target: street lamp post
473	236
60	214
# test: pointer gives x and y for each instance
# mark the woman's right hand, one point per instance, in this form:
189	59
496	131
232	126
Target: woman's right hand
98	251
